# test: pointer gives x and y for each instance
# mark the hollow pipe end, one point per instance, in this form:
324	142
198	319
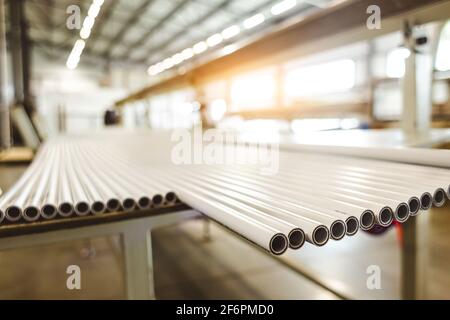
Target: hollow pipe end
367	220
278	244
439	197
144	203
13	213
128	204
352	226
113	205
296	238
82	208
338	230
157	200
426	201
31	213
320	235
98	207
414	206
386	216
49	211
65	209
401	213
170	197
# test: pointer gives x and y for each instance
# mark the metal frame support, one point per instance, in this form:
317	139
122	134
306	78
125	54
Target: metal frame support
418	80
414	257
137	246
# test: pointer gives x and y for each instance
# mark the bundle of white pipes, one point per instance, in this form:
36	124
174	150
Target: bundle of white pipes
313	196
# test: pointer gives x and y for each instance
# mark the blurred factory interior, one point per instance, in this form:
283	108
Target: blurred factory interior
371	73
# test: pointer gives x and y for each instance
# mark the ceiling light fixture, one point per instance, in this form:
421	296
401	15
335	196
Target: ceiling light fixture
187	53
282	7
85	32
253	21
214	40
230	32
200	47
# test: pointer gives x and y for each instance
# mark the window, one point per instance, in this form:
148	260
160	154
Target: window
331	77
253	91
395	62
443	51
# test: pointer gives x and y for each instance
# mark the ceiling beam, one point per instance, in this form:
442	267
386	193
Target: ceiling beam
222	5
131	21
337	26
139	42
182	32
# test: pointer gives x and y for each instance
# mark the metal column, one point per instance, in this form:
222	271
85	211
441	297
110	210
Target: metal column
417	82
5	126
15	15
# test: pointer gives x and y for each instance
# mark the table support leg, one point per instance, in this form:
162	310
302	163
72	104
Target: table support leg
138	263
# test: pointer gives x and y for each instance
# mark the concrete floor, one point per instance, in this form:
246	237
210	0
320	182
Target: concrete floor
225	267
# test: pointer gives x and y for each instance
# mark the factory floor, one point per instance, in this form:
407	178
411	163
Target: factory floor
190	266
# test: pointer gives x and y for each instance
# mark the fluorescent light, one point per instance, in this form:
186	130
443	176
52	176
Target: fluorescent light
78	47
253	21
72	61
230	32
177	58
200	47
85	33
187	53
88	22
154	69
167	63
214	40
93	10
283	6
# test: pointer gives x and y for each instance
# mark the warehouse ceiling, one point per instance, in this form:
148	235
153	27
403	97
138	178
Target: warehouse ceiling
143	32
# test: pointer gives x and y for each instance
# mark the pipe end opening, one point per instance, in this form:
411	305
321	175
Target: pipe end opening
386	216
31	213
13	213
278	244
439	197
144	202
49	211
296	238
171	197
82	208
367	220
426	201
157	199
65	209
337	230
352	226
128	204
98	207
402	212
320	235
113	205
414	206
